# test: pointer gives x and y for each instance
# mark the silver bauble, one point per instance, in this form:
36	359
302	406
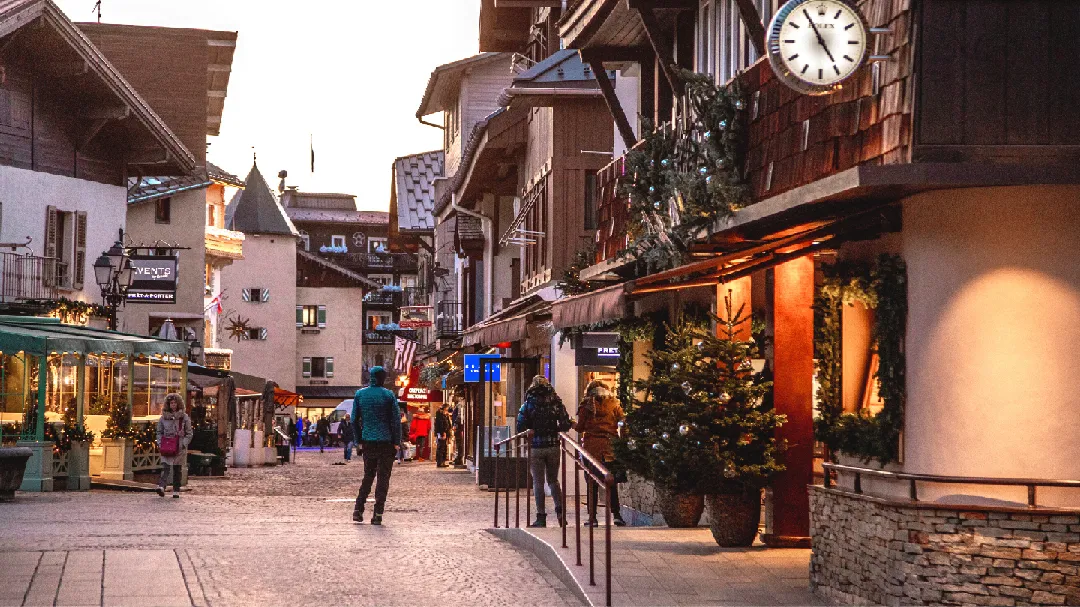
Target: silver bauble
665	436
684	429
656	446
686	387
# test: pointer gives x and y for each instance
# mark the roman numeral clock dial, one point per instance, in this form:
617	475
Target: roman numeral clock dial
815	45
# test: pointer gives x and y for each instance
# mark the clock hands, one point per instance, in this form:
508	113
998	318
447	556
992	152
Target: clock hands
820	40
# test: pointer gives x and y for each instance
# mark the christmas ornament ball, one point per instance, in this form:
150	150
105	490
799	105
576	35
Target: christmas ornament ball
665	436
656	446
675	366
686	387
684	429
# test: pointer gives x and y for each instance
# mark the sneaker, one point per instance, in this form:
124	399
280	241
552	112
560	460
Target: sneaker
590	523
175	495
559	517
376	519
357	517
619	522
161	491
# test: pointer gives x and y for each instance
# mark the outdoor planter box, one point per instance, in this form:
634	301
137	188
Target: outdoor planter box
78	466
113	460
12	466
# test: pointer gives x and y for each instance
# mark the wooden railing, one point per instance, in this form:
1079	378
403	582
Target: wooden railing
584	463
913	480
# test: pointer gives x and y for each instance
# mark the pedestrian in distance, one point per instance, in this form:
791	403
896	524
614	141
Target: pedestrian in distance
459	435
347	436
173	437
544	416
323	430
442	435
376	421
300	423
404	431
598	417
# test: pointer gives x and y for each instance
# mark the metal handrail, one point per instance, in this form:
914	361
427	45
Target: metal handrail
595	472
913	478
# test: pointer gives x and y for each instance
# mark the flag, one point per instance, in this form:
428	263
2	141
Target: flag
311	146
404	349
215	302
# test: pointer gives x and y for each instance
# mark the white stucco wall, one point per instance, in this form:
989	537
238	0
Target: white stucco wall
993	328
342	338
24	195
627	91
269	262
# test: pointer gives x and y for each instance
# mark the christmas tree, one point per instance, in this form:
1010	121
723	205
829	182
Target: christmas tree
119	423
705	425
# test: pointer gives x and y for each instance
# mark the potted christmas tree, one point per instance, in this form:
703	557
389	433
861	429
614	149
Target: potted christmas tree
117	444
704	430
75	441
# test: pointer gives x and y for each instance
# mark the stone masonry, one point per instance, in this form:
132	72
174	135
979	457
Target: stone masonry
867	550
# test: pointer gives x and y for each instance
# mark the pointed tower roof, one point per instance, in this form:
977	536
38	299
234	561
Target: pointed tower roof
255	210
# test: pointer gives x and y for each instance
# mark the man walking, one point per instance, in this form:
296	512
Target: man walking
442	435
299	432
544	416
377	423
347	436
323	428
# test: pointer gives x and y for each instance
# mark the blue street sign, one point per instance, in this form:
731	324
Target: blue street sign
472	367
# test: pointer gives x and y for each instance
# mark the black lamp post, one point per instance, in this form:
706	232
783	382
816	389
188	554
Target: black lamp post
113	273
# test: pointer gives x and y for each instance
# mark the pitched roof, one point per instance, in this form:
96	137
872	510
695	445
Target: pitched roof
16	14
255	210
220	175
326	263
152	188
561	74
298	215
442	86
413	201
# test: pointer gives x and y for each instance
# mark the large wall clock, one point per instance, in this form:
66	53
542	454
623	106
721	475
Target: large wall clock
815	45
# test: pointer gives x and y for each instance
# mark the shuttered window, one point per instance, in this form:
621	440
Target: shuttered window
255	295
322	317
330	366
306	372
79	273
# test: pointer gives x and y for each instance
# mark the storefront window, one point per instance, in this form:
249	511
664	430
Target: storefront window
155	377
62	388
13	370
106	382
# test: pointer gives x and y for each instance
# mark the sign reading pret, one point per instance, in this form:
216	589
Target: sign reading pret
153	279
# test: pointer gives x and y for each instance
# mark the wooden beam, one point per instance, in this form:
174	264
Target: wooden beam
754	28
682	5
612	100
662	48
613	54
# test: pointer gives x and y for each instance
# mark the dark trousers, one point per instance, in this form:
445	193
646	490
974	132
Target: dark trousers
176	473
378	462
594	492
440	450
459	447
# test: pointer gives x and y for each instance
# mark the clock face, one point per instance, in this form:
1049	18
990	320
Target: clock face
814	45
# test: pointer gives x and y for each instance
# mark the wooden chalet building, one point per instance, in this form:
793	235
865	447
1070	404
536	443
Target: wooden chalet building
954	152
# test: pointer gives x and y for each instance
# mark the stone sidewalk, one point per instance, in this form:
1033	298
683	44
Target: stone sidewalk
661	566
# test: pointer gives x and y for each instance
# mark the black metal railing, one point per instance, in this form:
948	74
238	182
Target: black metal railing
380	261
379	298
25	277
912	479
448	320
414	296
594	471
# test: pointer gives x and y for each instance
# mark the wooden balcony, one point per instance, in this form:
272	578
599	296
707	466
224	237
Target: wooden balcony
612	211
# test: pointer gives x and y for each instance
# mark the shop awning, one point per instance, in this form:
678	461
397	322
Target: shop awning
284	398
43	336
505	326
606	304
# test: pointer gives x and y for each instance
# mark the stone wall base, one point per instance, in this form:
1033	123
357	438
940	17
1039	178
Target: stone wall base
868	550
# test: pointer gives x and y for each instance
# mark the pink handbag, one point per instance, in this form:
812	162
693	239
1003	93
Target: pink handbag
170	445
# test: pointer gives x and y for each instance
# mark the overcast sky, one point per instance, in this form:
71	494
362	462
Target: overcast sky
349	72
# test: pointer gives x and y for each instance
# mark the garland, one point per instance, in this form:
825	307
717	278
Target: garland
682	182
883	288
72	311
572	284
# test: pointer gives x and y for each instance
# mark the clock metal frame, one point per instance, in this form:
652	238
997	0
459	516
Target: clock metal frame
791	79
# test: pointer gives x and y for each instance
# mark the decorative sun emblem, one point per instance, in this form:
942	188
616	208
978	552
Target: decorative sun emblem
358	239
238	328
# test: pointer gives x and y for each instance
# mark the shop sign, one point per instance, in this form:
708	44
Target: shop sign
472	368
597	350
415	317
153	279
414	324
422	395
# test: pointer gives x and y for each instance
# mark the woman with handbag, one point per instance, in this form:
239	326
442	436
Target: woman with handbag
598	420
173	436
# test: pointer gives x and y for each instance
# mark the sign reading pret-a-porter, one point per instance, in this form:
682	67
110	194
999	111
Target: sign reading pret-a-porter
153	279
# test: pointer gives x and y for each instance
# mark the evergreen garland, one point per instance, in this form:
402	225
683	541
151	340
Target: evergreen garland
682	182
572	284
705	426
883	288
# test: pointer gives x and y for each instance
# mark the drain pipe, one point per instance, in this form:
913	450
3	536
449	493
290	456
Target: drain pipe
485	229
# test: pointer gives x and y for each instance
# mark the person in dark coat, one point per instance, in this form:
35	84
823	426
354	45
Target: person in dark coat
442	435
347	436
322	428
544	416
376	421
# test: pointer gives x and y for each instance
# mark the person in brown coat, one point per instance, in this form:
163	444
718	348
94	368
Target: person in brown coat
598	420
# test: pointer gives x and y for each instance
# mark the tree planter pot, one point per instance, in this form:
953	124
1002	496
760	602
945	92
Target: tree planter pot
680	509
735	517
12	466
78	473
113	462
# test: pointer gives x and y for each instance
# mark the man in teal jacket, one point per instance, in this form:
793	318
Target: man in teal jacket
377	424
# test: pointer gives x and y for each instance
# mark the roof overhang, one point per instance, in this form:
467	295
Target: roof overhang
140	124
611	30
504	24
445	82
489	157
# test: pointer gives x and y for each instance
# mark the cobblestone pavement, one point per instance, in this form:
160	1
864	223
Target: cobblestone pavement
269	536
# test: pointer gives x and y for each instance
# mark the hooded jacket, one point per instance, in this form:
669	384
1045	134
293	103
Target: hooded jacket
544	414
376	417
175	423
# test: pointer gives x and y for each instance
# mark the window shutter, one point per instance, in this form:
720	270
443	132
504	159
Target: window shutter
80	251
330	366
262	333
246	294
307	367
265	295
322	317
50	231
299	316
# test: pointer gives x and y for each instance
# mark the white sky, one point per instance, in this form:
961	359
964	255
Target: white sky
349	72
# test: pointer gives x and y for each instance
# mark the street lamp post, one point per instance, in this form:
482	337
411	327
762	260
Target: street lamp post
113	274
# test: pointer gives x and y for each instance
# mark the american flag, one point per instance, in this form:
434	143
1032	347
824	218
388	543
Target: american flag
404	350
